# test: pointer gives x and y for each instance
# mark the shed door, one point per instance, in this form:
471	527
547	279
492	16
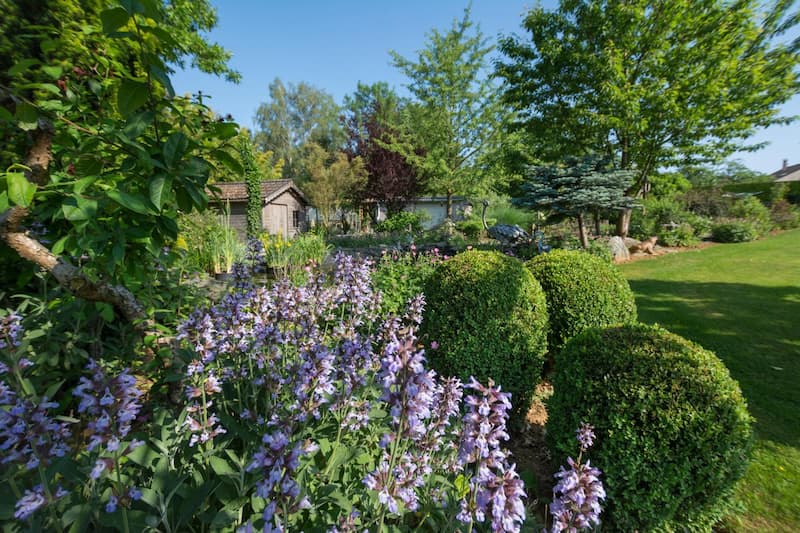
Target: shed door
283	220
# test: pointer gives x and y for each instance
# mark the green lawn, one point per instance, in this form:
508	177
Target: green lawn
743	302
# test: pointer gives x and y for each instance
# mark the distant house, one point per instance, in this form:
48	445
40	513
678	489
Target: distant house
787	173
284	207
433	208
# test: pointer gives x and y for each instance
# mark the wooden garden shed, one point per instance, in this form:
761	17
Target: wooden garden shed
284	207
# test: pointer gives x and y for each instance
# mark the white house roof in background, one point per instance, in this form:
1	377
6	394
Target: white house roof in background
787	173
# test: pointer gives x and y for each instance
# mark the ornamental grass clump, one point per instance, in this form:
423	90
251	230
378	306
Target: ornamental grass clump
489	317
672	429
582	291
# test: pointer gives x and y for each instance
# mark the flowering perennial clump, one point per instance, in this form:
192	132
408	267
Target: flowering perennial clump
576	504
336	391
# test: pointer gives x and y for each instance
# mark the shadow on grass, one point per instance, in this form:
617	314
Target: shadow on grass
755	330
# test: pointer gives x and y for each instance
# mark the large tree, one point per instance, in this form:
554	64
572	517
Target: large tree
576	188
95	146
371	120
454	117
650	83
293	117
333	182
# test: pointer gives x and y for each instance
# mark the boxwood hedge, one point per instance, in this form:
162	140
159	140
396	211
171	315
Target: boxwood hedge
673	431
489	316
582	291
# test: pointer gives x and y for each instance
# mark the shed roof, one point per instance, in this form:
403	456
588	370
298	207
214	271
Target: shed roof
236	191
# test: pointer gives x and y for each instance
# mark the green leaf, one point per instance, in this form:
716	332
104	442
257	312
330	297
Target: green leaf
158	185
20	190
225	130
54	71
133	202
106	311
175	148
49	45
78	208
159	74
4	203
221	467
138	124
184	200
58	247
131	96
462	486
78	516
52	389
27	116
114	18
82	183
21	66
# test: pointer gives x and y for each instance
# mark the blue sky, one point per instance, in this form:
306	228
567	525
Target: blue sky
334	44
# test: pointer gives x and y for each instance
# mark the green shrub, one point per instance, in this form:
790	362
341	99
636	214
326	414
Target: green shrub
784	215
287	257
401	276
751	209
682	235
599	248
582	291
489	317
471	227
670	220
707	202
673	431
208	242
402	222
734	231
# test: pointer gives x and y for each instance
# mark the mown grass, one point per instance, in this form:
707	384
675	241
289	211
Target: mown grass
743	302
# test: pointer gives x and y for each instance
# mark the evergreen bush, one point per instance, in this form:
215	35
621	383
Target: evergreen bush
673	431
582	291
488	316
402	222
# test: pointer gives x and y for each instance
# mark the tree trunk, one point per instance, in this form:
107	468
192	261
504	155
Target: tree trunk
596	223
582	231
449	205
623	221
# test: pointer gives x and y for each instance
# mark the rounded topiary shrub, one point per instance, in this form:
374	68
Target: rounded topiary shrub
582	291
673	431
489	317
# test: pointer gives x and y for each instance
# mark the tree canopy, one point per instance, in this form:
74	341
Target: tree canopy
454	116
293	117
577	187
372	120
650	83
96	147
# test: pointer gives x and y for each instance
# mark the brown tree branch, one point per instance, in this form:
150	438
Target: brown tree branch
69	276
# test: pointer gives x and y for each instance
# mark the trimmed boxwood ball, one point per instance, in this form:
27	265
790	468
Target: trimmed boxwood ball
489	316
673	431
582	291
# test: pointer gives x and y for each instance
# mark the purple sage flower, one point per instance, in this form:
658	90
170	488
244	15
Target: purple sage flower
585	436
10	331
113	404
